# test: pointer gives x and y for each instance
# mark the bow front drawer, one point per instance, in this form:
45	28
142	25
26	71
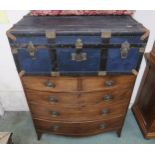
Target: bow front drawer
75	128
94	112
79	100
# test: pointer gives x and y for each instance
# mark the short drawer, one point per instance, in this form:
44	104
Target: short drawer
108	82
95	112
54	84
107	97
77	128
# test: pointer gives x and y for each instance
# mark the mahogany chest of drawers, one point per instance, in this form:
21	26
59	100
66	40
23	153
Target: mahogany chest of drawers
78	72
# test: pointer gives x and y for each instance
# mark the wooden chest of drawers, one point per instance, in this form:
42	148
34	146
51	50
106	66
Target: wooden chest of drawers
78	72
78	105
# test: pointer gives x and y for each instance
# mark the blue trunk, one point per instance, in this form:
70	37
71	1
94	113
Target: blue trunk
42	63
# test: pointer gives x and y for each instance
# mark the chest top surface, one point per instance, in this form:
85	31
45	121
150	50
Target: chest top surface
78	23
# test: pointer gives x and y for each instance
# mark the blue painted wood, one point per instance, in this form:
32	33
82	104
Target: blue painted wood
40	65
72	39
96	39
41	40
65	64
116	64
122	39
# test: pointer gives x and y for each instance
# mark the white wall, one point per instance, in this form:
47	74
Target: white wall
11	92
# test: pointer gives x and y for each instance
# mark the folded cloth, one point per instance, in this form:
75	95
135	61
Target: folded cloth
79	12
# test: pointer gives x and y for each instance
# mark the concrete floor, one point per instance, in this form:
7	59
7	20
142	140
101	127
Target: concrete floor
20	124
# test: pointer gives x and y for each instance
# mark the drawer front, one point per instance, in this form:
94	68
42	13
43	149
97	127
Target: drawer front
54	84
86	128
71	84
70	61
39	63
60	100
110	82
117	64
94	112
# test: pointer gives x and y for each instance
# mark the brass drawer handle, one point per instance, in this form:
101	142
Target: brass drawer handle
109	83
105	111
52	99
107	98
49	84
55	127
103	126
54	113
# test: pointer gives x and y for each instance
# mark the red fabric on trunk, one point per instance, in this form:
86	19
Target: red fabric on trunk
79	12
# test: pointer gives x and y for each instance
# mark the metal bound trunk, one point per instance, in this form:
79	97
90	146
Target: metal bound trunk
78	45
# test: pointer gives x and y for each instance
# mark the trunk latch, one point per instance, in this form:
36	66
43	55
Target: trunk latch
125	47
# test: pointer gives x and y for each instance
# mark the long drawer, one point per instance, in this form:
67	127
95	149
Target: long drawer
70	84
94	112
60	100
75	129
